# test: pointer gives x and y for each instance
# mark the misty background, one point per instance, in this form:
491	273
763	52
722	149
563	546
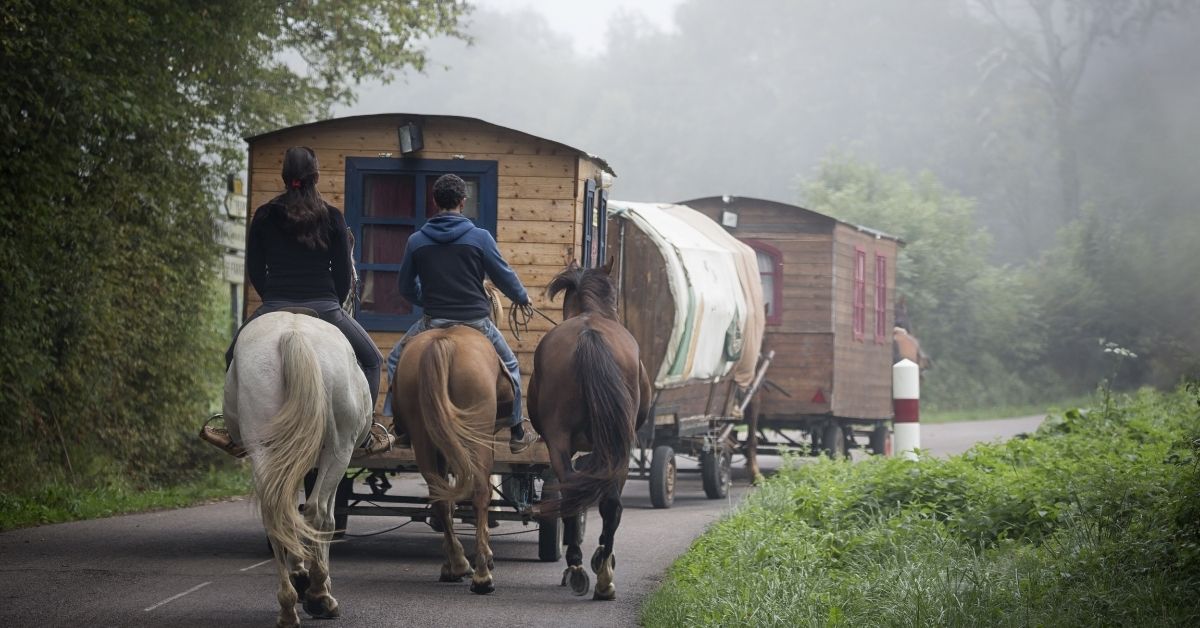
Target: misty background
1063	131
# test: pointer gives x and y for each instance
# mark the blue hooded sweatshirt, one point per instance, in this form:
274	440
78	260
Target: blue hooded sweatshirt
444	266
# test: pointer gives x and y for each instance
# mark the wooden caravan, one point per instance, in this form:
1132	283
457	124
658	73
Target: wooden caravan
690	296
829	288
536	196
531	193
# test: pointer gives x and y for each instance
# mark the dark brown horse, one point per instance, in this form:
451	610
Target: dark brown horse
589	392
448	386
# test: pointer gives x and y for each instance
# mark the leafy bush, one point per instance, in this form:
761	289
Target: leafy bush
978	321
117	121
1089	521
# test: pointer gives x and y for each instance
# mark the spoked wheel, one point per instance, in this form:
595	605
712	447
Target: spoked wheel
833	441
341	502
550	539
550	530
716	472
881	440
662	477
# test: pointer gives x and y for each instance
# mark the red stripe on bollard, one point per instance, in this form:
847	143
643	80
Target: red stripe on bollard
907	410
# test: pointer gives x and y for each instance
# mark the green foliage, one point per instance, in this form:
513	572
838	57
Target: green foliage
1090	521
976	320
117	120
1128	281
58	502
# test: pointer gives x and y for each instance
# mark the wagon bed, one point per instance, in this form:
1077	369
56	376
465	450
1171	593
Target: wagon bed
521	480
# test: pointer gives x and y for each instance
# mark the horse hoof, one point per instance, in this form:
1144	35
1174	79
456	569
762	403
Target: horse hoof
322	607
300	583
446	577
579	580
606	596
482	588
598	559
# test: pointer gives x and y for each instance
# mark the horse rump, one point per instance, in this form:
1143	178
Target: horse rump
608	406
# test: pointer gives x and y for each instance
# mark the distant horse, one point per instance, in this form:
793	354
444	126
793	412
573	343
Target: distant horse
905	346
449	387
296	398
589	392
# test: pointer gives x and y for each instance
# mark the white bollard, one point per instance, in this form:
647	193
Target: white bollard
906	395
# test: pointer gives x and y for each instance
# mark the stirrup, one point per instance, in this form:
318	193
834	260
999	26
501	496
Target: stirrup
379	440
220	438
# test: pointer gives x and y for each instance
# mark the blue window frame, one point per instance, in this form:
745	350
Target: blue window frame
589	205
386	201
595	226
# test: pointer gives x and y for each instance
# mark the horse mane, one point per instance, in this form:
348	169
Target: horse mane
592	287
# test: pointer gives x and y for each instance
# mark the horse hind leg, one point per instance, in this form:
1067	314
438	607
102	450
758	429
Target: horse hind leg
481	581
456	565
604	562
319	602
575	575
287	597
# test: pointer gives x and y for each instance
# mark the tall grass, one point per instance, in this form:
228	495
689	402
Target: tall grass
56	502
1095	520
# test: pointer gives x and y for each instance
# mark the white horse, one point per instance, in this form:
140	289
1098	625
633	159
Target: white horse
296	399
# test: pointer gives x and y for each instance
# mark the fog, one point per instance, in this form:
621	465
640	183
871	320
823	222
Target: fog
747	98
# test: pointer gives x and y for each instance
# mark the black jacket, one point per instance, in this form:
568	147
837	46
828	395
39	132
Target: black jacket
283	269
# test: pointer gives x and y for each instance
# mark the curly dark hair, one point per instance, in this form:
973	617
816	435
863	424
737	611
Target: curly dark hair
448	191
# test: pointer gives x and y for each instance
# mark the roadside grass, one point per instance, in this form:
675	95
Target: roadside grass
59	501
1093	520
1004	412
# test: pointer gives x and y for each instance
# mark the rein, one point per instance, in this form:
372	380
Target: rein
519	317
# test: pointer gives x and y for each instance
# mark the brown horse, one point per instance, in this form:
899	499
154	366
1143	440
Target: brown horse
589	392
448	385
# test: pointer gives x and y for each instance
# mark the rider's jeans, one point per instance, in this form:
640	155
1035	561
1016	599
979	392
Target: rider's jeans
483	326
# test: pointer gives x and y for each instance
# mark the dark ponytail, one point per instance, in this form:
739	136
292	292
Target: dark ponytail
307	216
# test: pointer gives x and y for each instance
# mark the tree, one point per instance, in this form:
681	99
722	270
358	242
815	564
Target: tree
976	320
117	119
1052	41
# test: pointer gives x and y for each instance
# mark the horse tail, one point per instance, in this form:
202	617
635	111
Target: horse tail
291	444
445	424
609	409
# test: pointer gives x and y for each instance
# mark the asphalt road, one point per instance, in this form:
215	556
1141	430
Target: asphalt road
945	439
209	565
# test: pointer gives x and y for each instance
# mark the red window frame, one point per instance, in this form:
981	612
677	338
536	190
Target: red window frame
880	299
776	315
860	293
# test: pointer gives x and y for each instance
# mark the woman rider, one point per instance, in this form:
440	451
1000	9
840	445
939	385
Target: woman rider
298	255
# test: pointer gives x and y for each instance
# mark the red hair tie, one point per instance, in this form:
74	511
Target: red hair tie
296	184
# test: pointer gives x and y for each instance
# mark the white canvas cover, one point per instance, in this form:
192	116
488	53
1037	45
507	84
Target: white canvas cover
755	320
708	334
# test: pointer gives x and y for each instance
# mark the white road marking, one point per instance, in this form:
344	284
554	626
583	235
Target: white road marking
178	595
257	564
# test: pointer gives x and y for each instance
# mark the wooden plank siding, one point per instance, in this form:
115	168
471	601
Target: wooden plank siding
643	310
814	340
862	371
539	194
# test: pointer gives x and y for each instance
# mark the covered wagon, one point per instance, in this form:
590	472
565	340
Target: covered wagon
690	295
828	290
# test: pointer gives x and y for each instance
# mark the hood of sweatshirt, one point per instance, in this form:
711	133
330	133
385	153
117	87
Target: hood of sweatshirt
447	227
